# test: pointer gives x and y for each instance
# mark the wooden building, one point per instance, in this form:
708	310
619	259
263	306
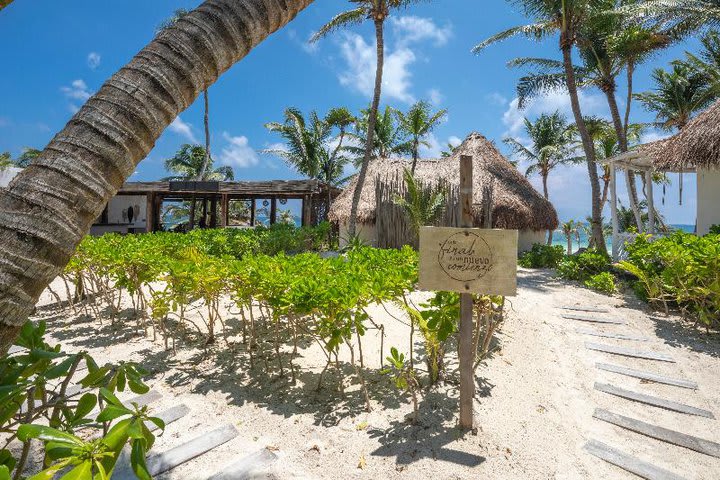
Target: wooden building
138	206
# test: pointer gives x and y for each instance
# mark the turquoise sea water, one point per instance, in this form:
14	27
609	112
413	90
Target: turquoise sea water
559	238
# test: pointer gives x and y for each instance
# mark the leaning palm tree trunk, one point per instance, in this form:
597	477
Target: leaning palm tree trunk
206	121
371	126
597	232
50	206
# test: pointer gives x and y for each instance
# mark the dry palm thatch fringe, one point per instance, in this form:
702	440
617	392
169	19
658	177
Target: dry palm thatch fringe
517	205
696	146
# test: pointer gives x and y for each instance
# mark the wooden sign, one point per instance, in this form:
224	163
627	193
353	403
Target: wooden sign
468	260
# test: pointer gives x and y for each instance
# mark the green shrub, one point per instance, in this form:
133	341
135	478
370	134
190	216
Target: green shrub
714	230
681	270
602	282
583	266
542	256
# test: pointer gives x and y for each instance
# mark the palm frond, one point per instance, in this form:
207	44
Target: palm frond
533	31
340	21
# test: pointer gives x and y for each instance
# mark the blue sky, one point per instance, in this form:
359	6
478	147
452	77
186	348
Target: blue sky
56	54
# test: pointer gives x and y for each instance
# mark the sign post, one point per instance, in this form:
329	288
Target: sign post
468	260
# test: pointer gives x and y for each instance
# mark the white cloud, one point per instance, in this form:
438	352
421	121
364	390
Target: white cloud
513	118
454	141
435	96
305	44
436	147
93	60
410	29
183	129
238	153
653	136
361	63
78	90
497	98
360	57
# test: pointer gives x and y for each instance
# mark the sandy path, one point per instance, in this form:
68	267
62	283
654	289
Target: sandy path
534	408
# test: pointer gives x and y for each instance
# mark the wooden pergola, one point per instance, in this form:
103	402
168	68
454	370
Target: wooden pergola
222	193
638	160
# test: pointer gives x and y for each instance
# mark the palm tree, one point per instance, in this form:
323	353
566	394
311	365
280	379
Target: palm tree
552	145
566	18
422	204
188	164
6	161
175	18
707	61
389	138
418	123
679	17
552	140
308	147
569	229
677	95
55	203
27	157
377	11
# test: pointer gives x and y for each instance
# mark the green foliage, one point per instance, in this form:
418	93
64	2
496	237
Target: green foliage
542	256
423	204
39	376
681	270
602	282
584	265
714	230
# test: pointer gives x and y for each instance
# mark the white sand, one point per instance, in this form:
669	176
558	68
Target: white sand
534	408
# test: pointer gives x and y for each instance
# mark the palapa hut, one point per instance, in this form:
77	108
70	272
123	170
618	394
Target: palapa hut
515	203
695	149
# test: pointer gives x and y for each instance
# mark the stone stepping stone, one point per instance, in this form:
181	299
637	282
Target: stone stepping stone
619	336
626	352
659	433
654	401
653	377
585	308
248	467
629	463
585	318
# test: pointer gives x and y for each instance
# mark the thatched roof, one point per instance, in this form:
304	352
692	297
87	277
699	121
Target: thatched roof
517	205
696	146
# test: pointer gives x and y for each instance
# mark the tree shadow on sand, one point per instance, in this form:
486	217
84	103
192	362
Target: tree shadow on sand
541	280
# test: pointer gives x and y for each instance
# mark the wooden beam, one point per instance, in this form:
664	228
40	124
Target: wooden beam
659	433
585	318
249	466
465	342
629	463
252	212
149	212
273	211
653	377
585	308
619	336
306	210
626	352
651	400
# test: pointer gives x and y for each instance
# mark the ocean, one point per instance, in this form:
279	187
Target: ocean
559	238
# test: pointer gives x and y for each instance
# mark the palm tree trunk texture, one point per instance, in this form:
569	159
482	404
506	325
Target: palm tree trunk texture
416	155
371	126
623	144
596	217
50	206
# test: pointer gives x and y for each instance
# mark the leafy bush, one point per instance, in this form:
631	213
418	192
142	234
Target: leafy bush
602	282
681	270
36	386
714	230
584	265
542	256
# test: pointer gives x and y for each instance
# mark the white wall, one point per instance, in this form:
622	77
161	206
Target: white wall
7	175
708	200
526	239
121	203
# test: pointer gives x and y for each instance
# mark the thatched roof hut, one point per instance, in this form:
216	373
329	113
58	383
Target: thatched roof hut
697	146
516	204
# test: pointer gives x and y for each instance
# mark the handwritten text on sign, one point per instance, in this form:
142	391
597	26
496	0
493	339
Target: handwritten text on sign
469	260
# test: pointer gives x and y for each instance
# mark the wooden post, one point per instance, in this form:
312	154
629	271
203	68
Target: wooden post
150	212
224	210
306	212
252	211
213	212
650	201
273	210
465	343
614	213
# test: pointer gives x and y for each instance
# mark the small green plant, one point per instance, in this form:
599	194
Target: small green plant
582	266
404	377
542	256
602	282
714	230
